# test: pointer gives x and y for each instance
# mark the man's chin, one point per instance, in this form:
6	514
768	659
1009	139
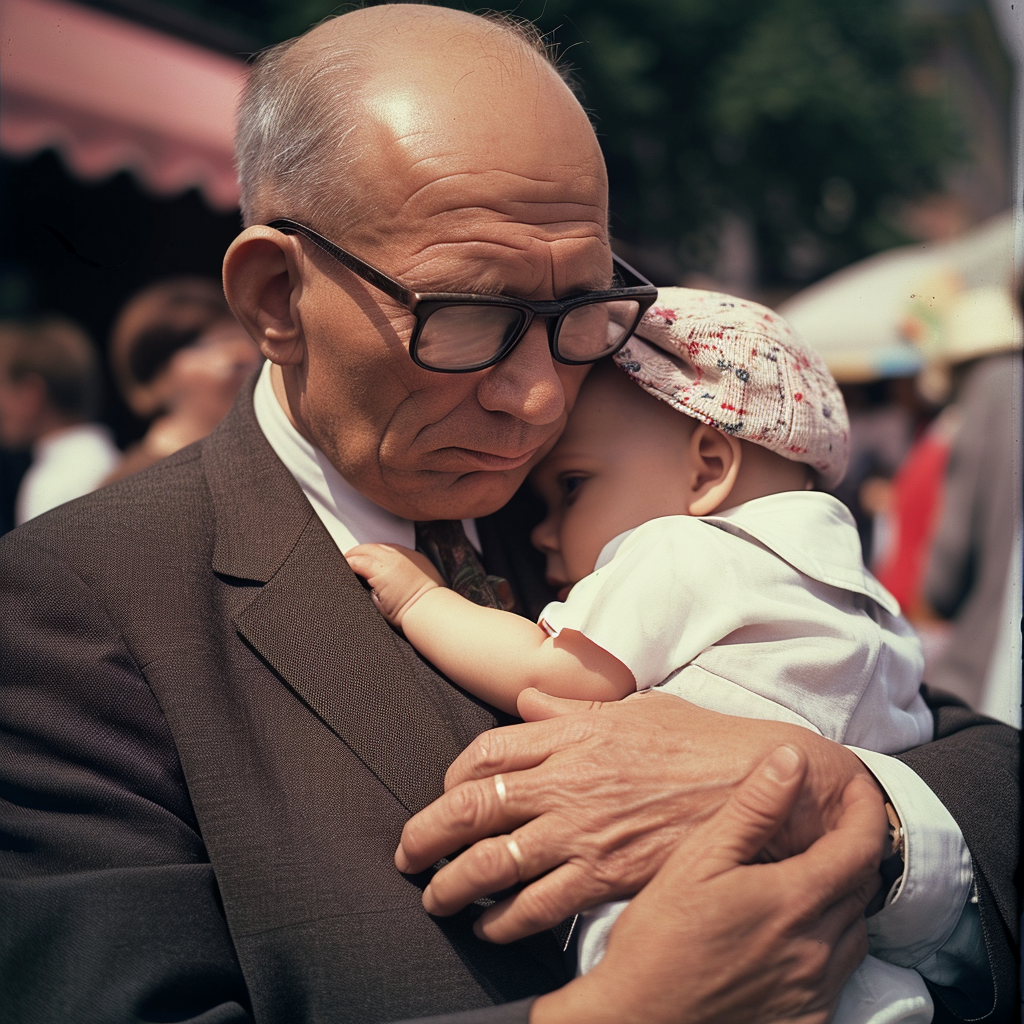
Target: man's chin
466	496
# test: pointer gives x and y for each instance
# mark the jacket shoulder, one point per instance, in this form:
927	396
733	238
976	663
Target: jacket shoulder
165	506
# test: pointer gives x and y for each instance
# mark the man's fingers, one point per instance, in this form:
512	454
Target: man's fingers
466	814
845	861
754	812
541	905
486	867
514	748
558	725
848	951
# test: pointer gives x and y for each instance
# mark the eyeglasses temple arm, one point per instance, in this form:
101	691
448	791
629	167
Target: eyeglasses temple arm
622	264
346	259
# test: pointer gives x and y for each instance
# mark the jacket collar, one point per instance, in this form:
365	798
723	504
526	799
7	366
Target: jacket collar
260	509
313	623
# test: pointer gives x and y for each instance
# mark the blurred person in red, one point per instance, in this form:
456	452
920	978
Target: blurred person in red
179	358
49	391
955	483
910	505
973	571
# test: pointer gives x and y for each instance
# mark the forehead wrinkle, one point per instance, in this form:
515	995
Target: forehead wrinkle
482	266
477	272
576	181
558	225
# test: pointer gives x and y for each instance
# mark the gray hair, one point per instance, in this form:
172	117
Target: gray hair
297	138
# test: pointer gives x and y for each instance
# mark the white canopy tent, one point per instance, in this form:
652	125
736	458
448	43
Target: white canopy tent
853	317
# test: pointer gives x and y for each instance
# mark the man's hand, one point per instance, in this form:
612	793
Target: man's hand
713	939
587	805
398	577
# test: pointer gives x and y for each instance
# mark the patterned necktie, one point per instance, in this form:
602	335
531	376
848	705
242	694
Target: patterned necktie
445	543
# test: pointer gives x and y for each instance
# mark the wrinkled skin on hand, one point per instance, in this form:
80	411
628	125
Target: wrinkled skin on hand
713	939
596	796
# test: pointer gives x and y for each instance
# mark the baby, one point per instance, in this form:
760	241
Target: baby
693	554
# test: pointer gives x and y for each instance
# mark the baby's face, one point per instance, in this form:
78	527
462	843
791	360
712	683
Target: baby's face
622	461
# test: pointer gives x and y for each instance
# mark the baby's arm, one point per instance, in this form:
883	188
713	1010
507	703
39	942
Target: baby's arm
493	654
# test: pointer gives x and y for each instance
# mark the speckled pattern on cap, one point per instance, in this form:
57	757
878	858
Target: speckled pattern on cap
738	367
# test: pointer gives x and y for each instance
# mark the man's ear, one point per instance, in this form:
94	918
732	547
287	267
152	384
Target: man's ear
262	283
714	466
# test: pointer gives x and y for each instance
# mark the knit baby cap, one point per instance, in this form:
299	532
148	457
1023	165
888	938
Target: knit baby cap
738	367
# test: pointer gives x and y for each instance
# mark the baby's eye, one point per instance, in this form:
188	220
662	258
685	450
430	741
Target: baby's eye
571	483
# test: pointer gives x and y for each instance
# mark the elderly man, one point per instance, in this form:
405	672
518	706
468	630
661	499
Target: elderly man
215	744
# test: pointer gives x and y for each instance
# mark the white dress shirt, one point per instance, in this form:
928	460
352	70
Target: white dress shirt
926	908
350	518
65	465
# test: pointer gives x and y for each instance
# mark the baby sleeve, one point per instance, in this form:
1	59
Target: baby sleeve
660	599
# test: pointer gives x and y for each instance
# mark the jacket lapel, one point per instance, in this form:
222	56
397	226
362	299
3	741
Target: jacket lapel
313	623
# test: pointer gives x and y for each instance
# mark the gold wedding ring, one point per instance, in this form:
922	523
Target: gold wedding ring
499	788
516	853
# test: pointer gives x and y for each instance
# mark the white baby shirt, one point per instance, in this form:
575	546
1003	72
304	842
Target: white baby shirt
763	611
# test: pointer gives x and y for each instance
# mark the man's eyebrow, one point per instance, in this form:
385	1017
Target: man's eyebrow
466	283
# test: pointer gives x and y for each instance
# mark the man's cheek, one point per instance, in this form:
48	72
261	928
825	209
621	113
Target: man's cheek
572	378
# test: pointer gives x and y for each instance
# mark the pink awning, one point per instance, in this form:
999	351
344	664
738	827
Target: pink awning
110	95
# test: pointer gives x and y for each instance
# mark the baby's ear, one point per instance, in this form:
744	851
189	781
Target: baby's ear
714	466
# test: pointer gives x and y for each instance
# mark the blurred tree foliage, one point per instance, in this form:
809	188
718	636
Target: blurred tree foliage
808	120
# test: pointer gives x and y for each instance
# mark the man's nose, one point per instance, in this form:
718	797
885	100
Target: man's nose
525	384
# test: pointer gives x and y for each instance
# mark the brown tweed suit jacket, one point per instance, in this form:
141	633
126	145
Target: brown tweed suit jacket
210	743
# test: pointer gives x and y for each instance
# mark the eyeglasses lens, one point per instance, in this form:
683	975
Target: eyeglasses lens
461	337
593	331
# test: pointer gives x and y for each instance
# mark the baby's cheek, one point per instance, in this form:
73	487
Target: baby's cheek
581	546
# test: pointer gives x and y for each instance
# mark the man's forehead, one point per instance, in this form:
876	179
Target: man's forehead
488	211
495	192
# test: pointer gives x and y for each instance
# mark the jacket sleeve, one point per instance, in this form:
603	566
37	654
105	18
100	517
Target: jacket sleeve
972	767
109	901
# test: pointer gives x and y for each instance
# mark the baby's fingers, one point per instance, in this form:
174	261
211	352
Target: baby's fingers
364	560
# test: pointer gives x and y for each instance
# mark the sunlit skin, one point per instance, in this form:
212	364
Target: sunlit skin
624	459
483	174
487	177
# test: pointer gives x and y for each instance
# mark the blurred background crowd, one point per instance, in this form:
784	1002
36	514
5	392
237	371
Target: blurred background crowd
856	165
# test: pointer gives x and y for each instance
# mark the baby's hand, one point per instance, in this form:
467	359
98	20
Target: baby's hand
398	577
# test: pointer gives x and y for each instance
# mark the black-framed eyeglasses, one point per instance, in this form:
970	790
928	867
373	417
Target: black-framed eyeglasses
459	332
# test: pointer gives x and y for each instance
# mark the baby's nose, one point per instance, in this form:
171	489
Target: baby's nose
544	536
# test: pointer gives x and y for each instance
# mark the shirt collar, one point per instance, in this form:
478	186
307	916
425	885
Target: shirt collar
815	533
349	516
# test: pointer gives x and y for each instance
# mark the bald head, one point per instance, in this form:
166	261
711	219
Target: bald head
446	151
330	118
